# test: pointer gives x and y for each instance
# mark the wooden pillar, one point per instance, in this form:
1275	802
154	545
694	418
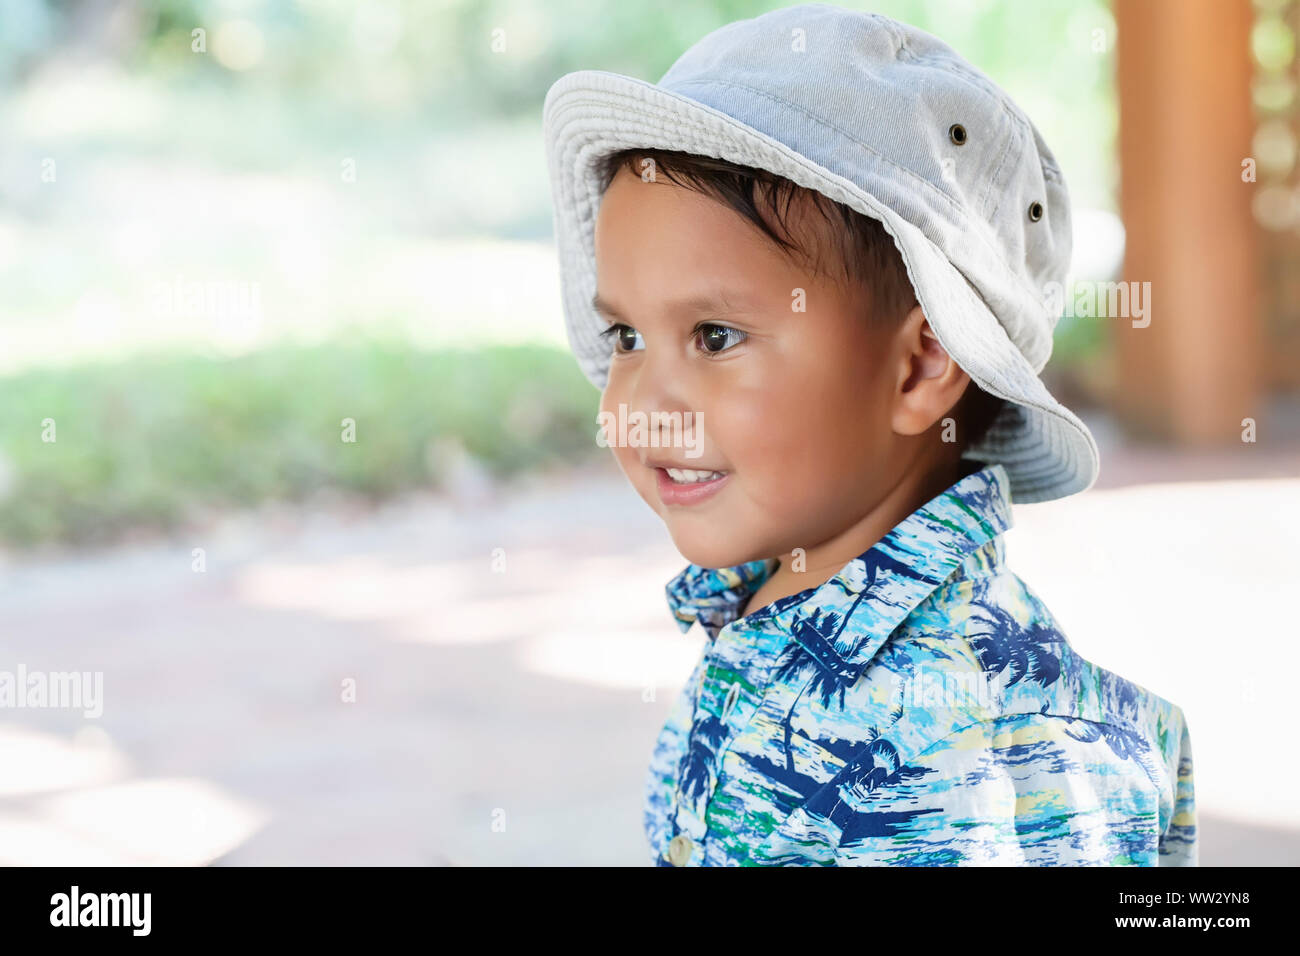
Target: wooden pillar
1185	125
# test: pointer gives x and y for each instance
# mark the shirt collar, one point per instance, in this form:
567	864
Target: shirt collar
843	622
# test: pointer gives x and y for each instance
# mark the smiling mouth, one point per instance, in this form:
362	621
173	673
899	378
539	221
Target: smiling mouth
691	476
688	486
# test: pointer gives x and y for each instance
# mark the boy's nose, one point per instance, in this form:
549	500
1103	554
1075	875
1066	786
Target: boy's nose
658	390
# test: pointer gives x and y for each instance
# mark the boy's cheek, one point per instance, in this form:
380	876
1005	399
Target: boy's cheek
762	435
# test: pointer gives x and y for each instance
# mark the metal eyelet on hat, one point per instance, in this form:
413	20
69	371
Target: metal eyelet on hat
1035	211
957	133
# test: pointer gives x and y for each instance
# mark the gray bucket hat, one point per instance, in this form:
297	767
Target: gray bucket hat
890	121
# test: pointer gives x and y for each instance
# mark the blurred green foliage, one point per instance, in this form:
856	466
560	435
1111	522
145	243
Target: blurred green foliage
143	442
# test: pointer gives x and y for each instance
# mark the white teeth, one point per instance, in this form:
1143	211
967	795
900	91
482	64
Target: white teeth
687	476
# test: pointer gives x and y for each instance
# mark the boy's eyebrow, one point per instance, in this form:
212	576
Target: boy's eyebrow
716	303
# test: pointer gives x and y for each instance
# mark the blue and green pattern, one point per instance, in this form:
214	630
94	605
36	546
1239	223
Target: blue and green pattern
920	708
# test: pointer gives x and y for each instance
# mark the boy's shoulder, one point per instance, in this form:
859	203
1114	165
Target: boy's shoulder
984	652
979	734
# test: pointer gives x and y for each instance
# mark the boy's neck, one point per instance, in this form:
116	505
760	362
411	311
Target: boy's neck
823	562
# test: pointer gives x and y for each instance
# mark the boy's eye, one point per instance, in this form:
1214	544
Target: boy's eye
625	337
715	338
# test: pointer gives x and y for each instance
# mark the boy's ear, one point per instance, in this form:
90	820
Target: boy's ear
930	382
934	349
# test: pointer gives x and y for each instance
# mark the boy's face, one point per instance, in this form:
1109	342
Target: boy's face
794	407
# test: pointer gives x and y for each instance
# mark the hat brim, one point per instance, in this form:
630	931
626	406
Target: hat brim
1047	451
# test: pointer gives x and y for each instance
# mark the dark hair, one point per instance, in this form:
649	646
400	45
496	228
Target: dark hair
862	250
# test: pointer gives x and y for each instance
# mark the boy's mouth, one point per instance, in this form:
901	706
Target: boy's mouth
686	486
690	476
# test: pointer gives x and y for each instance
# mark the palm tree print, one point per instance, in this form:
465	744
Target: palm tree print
877	764
1123	743
796	659
822	631
1031	653
707	733
1125	699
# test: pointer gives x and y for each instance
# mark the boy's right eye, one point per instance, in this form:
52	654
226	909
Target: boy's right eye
625	337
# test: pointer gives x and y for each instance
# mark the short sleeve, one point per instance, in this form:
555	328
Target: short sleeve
1178	845
1023	790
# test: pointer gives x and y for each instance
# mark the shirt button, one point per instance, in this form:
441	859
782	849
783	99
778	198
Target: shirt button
679	849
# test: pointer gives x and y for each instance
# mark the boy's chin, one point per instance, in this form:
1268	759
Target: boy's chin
707	551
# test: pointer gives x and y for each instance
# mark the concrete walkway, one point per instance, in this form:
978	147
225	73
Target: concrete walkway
345	687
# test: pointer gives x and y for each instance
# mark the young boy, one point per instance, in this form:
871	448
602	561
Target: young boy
823	259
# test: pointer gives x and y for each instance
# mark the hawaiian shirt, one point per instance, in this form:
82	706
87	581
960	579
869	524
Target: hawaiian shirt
921	707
